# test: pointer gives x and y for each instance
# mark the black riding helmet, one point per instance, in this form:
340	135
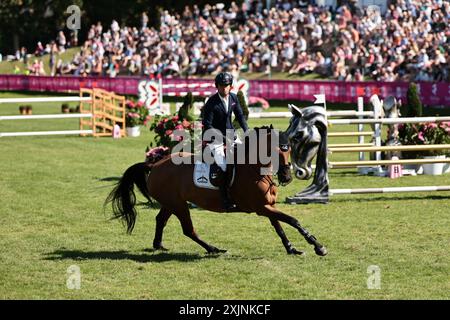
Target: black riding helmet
224	78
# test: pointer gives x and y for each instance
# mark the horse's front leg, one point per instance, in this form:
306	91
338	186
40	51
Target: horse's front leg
273	213
287	244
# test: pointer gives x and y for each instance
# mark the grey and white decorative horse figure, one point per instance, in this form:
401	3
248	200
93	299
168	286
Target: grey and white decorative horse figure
307	134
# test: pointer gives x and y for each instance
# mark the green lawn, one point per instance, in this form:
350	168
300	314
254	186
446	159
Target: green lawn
7	67
51	194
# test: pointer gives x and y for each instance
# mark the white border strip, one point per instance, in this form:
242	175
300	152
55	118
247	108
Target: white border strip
44	99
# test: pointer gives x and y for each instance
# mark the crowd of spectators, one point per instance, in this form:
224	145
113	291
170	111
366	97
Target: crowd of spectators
409	41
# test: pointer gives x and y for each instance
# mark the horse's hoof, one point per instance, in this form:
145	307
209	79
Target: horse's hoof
296	252
161	248
321	251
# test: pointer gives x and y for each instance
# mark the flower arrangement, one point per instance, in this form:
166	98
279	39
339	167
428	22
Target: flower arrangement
156	154
136	114
424	134
257	102
165	126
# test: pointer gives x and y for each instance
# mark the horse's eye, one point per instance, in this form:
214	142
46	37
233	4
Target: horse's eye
298	136
313	144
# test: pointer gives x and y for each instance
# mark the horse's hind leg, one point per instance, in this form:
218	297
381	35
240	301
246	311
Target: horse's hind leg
273	213
287	244
184	216
161	221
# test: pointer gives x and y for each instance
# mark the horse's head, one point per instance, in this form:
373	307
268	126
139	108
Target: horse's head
307	137
284	166
271	148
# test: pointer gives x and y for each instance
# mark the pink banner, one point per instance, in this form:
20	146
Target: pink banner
432	94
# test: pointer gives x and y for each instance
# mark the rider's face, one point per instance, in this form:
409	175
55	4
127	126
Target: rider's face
224	90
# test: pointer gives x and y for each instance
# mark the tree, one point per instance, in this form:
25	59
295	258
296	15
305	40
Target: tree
414	106
244	106
187	108
25	22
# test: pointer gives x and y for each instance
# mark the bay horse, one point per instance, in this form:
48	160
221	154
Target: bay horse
172	186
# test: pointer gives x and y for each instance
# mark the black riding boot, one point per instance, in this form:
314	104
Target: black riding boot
228	205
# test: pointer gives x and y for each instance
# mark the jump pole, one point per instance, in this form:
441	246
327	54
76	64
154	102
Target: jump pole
44	133
281	114
389	120
352	164
351	134
44	99
391	148
389	190
47	116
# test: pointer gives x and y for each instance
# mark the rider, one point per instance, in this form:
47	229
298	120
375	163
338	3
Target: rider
217	115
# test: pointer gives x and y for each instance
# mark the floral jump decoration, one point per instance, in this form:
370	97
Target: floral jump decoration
424	134
137	114
166	127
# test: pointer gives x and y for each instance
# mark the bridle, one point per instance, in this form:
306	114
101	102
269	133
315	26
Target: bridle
284	167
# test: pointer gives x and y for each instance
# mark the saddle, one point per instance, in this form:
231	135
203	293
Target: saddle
208	176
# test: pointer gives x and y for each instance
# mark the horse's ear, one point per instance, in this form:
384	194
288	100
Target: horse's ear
295	110
271	126
321	122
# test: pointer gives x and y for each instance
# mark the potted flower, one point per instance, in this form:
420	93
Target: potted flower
65	108
426	134
136	116
23	110
165	128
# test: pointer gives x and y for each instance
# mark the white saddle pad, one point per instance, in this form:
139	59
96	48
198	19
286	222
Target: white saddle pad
201	176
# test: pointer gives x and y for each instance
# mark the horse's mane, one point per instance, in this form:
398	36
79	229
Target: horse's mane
257	129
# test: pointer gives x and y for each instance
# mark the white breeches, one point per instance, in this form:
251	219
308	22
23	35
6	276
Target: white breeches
218	151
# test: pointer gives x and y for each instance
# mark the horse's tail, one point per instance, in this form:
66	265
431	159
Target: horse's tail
123	198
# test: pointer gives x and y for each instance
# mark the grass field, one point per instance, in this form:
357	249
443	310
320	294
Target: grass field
51	194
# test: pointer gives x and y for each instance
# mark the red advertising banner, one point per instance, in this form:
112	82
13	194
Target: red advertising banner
432	94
